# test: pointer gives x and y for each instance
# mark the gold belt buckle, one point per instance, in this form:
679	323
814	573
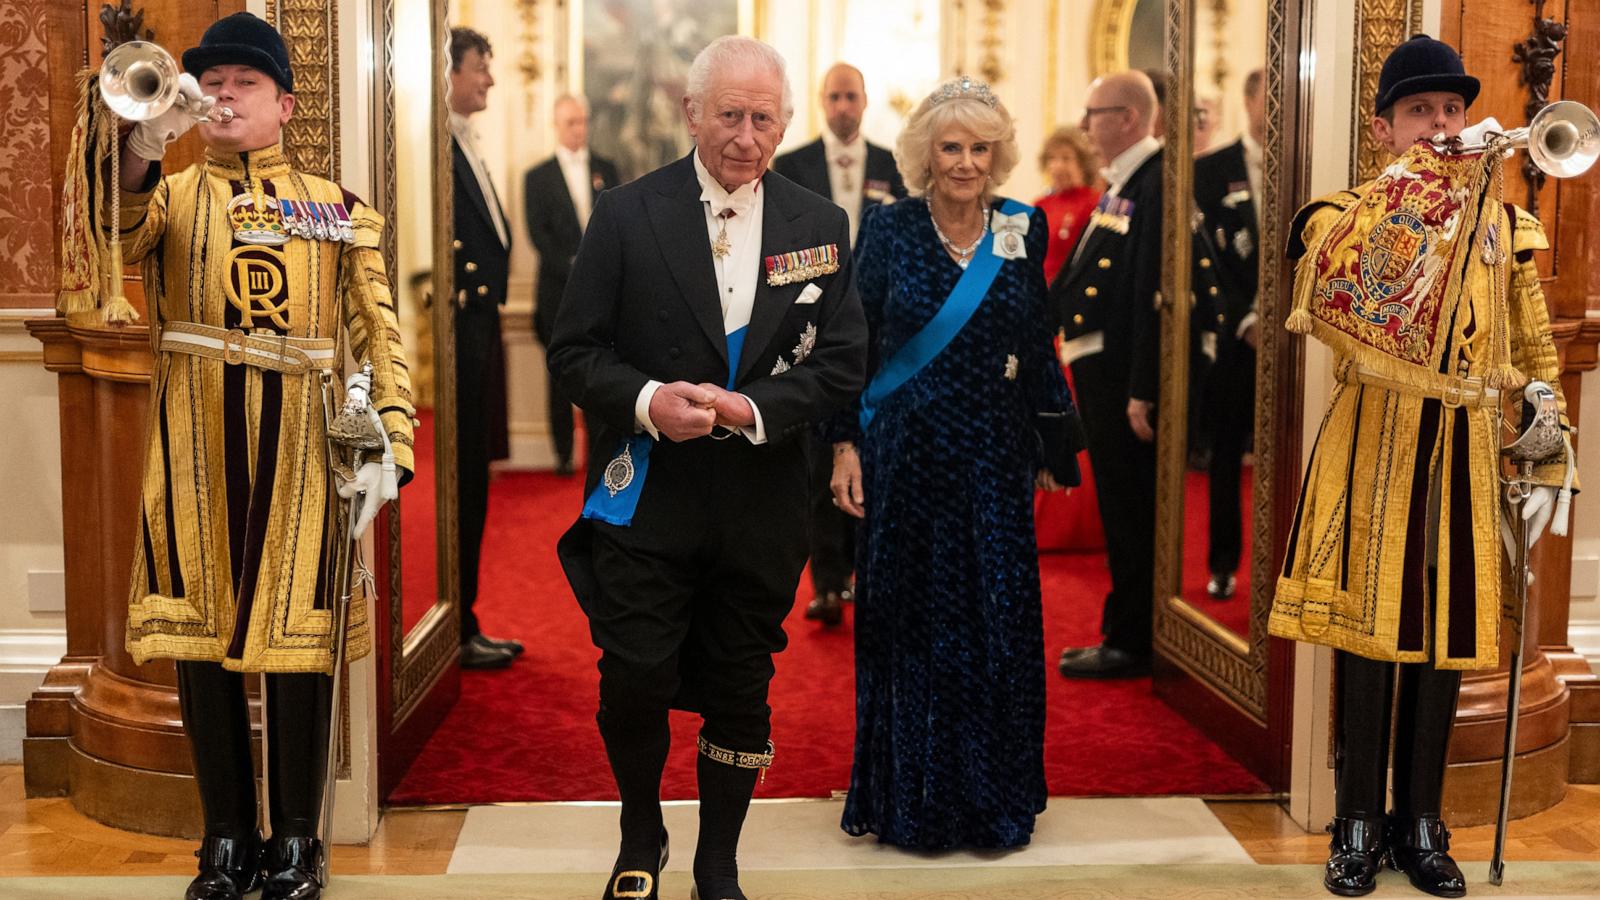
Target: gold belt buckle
233	344
1454	393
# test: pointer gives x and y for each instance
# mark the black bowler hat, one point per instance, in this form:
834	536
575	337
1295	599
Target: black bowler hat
242	40
1420	65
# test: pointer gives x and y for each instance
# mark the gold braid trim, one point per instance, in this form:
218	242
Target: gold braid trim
737	758
85	246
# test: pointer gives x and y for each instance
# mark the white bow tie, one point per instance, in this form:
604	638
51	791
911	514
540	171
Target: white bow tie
740	201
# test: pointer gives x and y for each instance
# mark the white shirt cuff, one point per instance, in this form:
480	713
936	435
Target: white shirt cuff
1245	324
756	434
641	408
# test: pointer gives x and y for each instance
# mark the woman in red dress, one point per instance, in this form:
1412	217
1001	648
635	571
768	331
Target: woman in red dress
1073	170
1068	521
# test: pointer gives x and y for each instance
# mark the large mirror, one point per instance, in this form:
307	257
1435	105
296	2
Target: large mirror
417	675
1227	133
1227	449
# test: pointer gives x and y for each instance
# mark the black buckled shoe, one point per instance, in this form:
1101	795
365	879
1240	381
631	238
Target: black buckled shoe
229	868
1419	847
826	608
1355	854
637	884
294	866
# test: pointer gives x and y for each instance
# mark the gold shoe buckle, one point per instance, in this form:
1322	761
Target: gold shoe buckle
648	889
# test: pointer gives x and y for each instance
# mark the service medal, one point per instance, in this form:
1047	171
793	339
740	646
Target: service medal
619	472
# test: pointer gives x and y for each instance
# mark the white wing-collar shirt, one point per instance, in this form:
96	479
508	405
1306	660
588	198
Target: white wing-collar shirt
575	171
467	137
847	169
738	275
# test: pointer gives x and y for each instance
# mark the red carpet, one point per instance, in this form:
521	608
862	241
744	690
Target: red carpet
528	732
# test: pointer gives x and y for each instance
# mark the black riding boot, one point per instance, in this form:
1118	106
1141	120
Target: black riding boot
636	744
1361	757
298	708
1418	841
216	718
727	781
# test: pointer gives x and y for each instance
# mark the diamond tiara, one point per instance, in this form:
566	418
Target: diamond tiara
964	87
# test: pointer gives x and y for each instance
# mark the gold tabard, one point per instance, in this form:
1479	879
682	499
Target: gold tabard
208	443
1342	578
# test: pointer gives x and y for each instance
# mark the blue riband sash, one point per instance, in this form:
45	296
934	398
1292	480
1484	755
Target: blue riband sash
618	508
957	310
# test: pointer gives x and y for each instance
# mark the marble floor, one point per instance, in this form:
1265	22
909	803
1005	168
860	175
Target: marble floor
805	834
1171	848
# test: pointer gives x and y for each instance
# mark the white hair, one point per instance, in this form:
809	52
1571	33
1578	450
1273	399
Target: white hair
582	102
739	53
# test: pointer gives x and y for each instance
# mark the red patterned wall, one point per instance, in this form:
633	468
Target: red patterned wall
27	244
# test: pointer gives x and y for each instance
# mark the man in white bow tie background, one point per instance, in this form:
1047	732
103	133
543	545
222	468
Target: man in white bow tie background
710	320
857	175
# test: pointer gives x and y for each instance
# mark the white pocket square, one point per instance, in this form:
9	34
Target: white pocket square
809	295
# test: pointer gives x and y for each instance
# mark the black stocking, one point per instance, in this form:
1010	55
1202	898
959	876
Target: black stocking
1422	737
298	707
1361	740
216	717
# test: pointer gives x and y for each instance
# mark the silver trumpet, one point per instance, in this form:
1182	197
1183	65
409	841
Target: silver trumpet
139	81
1563	139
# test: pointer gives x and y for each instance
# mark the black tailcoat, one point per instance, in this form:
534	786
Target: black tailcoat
710	564
807	166
481	267
553	227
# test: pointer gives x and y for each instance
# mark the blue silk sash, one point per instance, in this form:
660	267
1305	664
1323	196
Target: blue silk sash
618	508
956	312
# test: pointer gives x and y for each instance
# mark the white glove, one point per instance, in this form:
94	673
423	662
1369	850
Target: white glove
358	381
377	481
149	139
1536	511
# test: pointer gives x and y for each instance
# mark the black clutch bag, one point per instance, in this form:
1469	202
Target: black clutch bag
1060	438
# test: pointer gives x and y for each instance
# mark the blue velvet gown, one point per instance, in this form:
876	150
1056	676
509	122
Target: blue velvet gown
950	665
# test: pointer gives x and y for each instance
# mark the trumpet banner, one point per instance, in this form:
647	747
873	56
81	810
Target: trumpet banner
1382	284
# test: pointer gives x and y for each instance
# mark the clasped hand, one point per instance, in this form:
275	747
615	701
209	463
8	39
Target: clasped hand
682	411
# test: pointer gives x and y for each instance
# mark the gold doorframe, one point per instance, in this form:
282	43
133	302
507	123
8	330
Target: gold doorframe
1246	678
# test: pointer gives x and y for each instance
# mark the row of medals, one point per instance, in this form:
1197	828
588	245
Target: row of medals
304	218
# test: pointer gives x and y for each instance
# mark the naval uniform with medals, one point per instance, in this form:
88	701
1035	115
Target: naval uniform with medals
1105	303
258	279
1225	186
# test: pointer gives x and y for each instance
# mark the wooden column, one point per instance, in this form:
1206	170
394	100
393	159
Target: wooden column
102	730
1508	47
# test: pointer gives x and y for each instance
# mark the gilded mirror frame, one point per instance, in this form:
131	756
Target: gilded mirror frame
420	658
1238	669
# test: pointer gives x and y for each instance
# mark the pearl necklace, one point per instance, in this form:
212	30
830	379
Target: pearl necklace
963	254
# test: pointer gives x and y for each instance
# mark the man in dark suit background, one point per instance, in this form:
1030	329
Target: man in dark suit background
1227	185
856	175
711	319
482	261
842	164
557	197
1105	303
